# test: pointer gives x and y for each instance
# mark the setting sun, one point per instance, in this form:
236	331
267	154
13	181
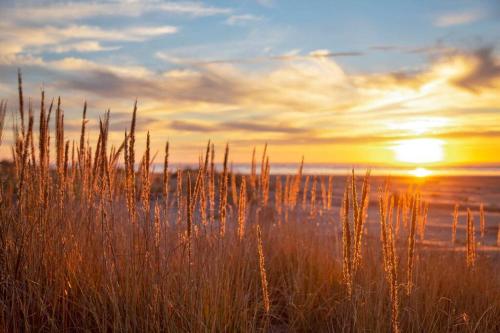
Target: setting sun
419	151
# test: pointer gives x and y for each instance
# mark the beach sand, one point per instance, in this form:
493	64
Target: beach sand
442	193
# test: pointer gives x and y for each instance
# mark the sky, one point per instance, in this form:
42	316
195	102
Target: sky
353	82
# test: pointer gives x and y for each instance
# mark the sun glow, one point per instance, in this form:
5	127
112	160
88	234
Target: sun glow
420	172
419	151
419	126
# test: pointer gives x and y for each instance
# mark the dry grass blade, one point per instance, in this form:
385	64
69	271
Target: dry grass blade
454	224
482	220
471	241
346	242
242	210
223	194
360	221
262	270
411	243
389	255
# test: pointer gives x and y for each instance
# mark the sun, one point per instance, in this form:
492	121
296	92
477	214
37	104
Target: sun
419	151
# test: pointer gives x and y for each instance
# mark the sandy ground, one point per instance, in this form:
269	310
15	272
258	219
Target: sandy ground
442	193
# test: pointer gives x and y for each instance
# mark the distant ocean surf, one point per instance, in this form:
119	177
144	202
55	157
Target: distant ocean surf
343	169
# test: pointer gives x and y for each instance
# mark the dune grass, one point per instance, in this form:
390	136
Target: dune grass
91	240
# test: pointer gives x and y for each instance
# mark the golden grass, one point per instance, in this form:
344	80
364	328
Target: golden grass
389	255
262	270
454	224
471	240
88	244
482	222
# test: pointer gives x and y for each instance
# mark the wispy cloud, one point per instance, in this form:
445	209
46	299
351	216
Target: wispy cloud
190	126
250	126
83	47
17	39
458	18
237	126
58	27
25	11
322	53
293	55
242	19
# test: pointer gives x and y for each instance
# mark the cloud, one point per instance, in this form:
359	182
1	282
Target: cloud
143	123
83	47
292	55
473	71
58	27
245	126
323	140
298	86
119	122
305	100
469	134
148	32
72	64
109	84
458	18
483	70
305	84
437	49
69	11
190	126
346	140
17	39
281	127
241	19
12	59
328	54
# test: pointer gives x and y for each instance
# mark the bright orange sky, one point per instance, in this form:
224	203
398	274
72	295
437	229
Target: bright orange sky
249	73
